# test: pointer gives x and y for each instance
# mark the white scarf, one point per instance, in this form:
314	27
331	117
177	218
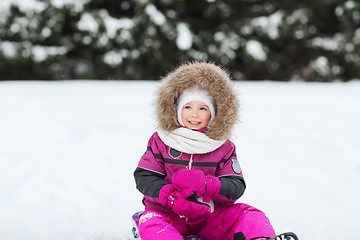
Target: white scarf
189	141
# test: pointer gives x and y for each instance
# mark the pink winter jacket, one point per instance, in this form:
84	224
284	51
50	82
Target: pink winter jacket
159	163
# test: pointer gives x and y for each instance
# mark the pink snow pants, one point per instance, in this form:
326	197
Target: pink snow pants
156	224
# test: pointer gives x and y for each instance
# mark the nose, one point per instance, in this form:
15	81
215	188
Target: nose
194	113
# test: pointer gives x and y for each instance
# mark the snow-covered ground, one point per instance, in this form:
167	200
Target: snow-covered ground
68	151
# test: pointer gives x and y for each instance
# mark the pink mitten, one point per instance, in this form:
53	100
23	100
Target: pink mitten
190	179
212	189
183	202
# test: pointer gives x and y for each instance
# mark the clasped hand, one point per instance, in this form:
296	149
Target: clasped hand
207	186
187	186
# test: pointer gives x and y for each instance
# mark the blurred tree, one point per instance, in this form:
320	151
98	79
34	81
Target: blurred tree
317	40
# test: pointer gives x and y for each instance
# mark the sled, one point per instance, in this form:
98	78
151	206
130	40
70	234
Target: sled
135	229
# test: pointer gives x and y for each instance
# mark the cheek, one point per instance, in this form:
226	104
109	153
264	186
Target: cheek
206	117
183	116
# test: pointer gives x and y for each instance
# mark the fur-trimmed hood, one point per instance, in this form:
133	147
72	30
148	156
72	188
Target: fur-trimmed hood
202	75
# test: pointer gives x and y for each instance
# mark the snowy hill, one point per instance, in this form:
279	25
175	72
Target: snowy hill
68	151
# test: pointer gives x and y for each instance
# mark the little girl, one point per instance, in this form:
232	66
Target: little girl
190	175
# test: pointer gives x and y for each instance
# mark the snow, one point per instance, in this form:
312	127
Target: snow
31	5
8	49
270	24
155	15
68	151
255	49
36	5
184	39
87	22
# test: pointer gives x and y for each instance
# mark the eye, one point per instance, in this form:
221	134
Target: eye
203	108
187	107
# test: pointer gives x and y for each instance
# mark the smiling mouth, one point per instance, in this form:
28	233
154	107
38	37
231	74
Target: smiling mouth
194	123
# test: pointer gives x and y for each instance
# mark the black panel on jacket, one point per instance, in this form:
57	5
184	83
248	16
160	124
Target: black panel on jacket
149	183
232	187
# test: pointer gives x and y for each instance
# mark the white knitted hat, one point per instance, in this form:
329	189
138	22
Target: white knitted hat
194	94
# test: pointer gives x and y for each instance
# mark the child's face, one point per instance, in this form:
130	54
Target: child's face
195	115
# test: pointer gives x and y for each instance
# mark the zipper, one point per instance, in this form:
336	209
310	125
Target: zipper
189	167
191	162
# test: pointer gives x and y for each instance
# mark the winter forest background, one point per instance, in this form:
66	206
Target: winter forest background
68	148
308	40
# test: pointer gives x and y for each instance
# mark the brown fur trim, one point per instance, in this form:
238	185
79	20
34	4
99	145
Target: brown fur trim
203	75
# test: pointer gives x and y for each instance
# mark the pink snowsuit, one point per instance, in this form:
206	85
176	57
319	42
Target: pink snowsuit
156	168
